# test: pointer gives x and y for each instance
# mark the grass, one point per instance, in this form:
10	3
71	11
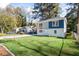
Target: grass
2	34
41	46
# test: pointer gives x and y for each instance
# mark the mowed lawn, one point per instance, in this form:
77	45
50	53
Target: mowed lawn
41	46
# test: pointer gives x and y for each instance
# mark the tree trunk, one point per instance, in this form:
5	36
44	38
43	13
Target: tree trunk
1	30
78	22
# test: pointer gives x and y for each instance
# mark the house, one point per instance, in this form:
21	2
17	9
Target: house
52	27
25	30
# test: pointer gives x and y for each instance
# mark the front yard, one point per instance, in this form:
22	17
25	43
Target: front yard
40	45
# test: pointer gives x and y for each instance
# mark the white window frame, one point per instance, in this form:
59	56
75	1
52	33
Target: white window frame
40	24
56	24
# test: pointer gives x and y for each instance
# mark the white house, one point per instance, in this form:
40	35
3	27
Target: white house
52	27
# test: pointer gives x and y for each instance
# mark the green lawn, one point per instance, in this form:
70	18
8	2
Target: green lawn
39	45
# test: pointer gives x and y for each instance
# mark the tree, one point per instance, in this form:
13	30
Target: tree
73	18
21	20
78	21
11	18
45	10
19	14
7	22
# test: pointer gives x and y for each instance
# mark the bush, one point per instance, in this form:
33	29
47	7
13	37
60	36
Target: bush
69	36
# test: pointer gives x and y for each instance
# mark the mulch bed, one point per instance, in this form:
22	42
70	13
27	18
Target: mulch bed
4	51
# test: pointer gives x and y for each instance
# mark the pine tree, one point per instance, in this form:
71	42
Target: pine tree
45	10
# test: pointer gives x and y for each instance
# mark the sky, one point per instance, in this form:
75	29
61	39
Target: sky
4	3
36	1
29	3
23	5
64	8
28	8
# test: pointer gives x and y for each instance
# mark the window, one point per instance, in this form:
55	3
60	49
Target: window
40	31
55	23
55	31
40	25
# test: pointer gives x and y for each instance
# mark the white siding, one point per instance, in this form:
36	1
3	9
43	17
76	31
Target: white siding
50	32
45	25
61	32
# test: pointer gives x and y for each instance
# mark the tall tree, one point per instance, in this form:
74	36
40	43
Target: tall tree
7	22
78	21
19	14
10	18
73	18
45	10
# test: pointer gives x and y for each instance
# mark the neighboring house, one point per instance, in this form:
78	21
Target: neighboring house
24	30
14	31
52	27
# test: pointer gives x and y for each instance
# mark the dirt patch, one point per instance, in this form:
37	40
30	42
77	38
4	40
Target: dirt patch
4	51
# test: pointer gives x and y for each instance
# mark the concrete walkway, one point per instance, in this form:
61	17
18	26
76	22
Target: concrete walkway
14	36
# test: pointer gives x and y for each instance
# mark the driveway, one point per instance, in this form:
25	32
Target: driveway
14	36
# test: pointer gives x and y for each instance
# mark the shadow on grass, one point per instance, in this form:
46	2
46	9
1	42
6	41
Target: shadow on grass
73	52
40	48
70	53
49	36
38	51
4	41
50	50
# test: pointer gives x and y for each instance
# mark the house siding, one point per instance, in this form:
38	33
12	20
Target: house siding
61	24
